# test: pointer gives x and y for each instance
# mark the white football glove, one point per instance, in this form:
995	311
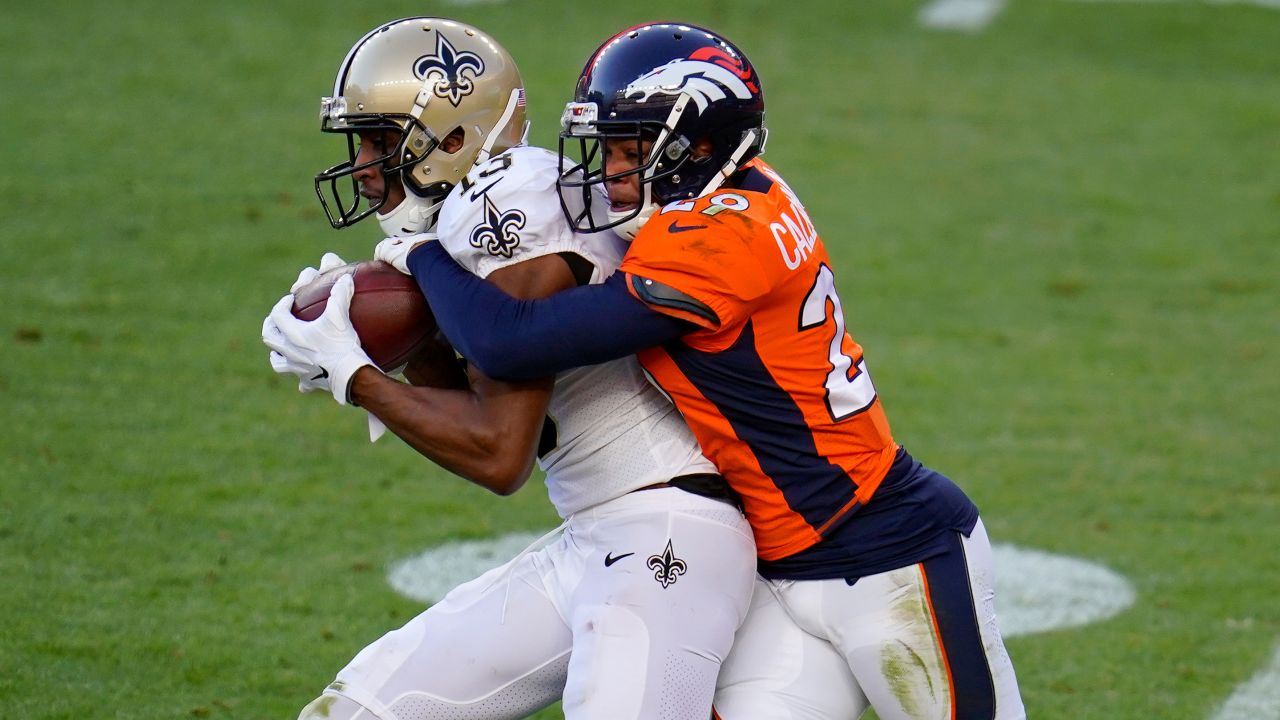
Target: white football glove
272	336
328	345
395	250
305	373
310	377
328	262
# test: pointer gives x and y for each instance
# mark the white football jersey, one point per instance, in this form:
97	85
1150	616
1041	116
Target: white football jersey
614	432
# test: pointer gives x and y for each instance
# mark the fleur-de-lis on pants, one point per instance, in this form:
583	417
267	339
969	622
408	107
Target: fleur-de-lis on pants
667	568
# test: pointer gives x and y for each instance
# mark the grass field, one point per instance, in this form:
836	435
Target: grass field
1058	239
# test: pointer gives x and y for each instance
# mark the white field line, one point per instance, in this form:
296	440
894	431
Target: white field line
1273	4
1035	591
429	575
966	15
974	15
1256	699
1038	591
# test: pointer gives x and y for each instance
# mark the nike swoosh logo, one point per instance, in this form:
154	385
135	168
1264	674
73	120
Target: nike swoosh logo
676	228
324	373
476	194
609	559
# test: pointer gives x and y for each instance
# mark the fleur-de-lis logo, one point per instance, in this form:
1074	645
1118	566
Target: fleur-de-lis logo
455	72
667	568
497	235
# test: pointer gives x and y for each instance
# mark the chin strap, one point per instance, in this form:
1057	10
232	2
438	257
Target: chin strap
412	216
515	100
731	166
631	226
628	228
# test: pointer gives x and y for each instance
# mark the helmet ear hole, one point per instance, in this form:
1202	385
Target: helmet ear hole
454	141
702	149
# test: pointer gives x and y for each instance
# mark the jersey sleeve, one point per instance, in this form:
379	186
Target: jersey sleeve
512	339
506	211
709	258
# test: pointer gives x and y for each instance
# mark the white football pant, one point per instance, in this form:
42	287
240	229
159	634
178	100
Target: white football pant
916	643
639	638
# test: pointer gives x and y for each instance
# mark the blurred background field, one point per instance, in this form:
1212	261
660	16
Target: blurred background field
1057	236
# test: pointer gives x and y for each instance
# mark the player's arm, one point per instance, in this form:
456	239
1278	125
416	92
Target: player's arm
511	337
487	432
437	366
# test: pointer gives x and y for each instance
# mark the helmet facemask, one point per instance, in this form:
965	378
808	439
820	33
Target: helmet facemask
659	168
396	164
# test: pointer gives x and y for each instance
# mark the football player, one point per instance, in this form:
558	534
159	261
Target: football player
629	612
877	580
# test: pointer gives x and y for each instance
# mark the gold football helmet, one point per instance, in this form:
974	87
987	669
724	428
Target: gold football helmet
425	78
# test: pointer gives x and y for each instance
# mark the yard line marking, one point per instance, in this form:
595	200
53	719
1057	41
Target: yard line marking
1258	698
431	574
975	15
1272	4
1036	591
965	15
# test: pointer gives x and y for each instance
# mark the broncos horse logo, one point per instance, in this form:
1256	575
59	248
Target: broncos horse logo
455	72
498	234
704	79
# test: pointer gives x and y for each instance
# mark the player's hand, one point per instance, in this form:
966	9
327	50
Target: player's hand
328	262
328	344
309	376
305	372
395	250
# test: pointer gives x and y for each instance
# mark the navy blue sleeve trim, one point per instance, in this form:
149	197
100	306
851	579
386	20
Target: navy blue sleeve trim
516	339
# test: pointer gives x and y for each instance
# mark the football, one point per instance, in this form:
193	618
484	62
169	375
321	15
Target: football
387	310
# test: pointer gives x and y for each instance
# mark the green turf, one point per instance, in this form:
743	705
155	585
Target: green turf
1056	238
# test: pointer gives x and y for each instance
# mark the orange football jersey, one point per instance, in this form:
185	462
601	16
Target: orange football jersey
773	386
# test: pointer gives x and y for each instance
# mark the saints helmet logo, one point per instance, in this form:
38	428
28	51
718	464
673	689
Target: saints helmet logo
455	72
667	568
497	235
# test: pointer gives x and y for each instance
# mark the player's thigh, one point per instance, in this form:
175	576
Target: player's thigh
493	648
652	626
922	641
778	671
982	580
